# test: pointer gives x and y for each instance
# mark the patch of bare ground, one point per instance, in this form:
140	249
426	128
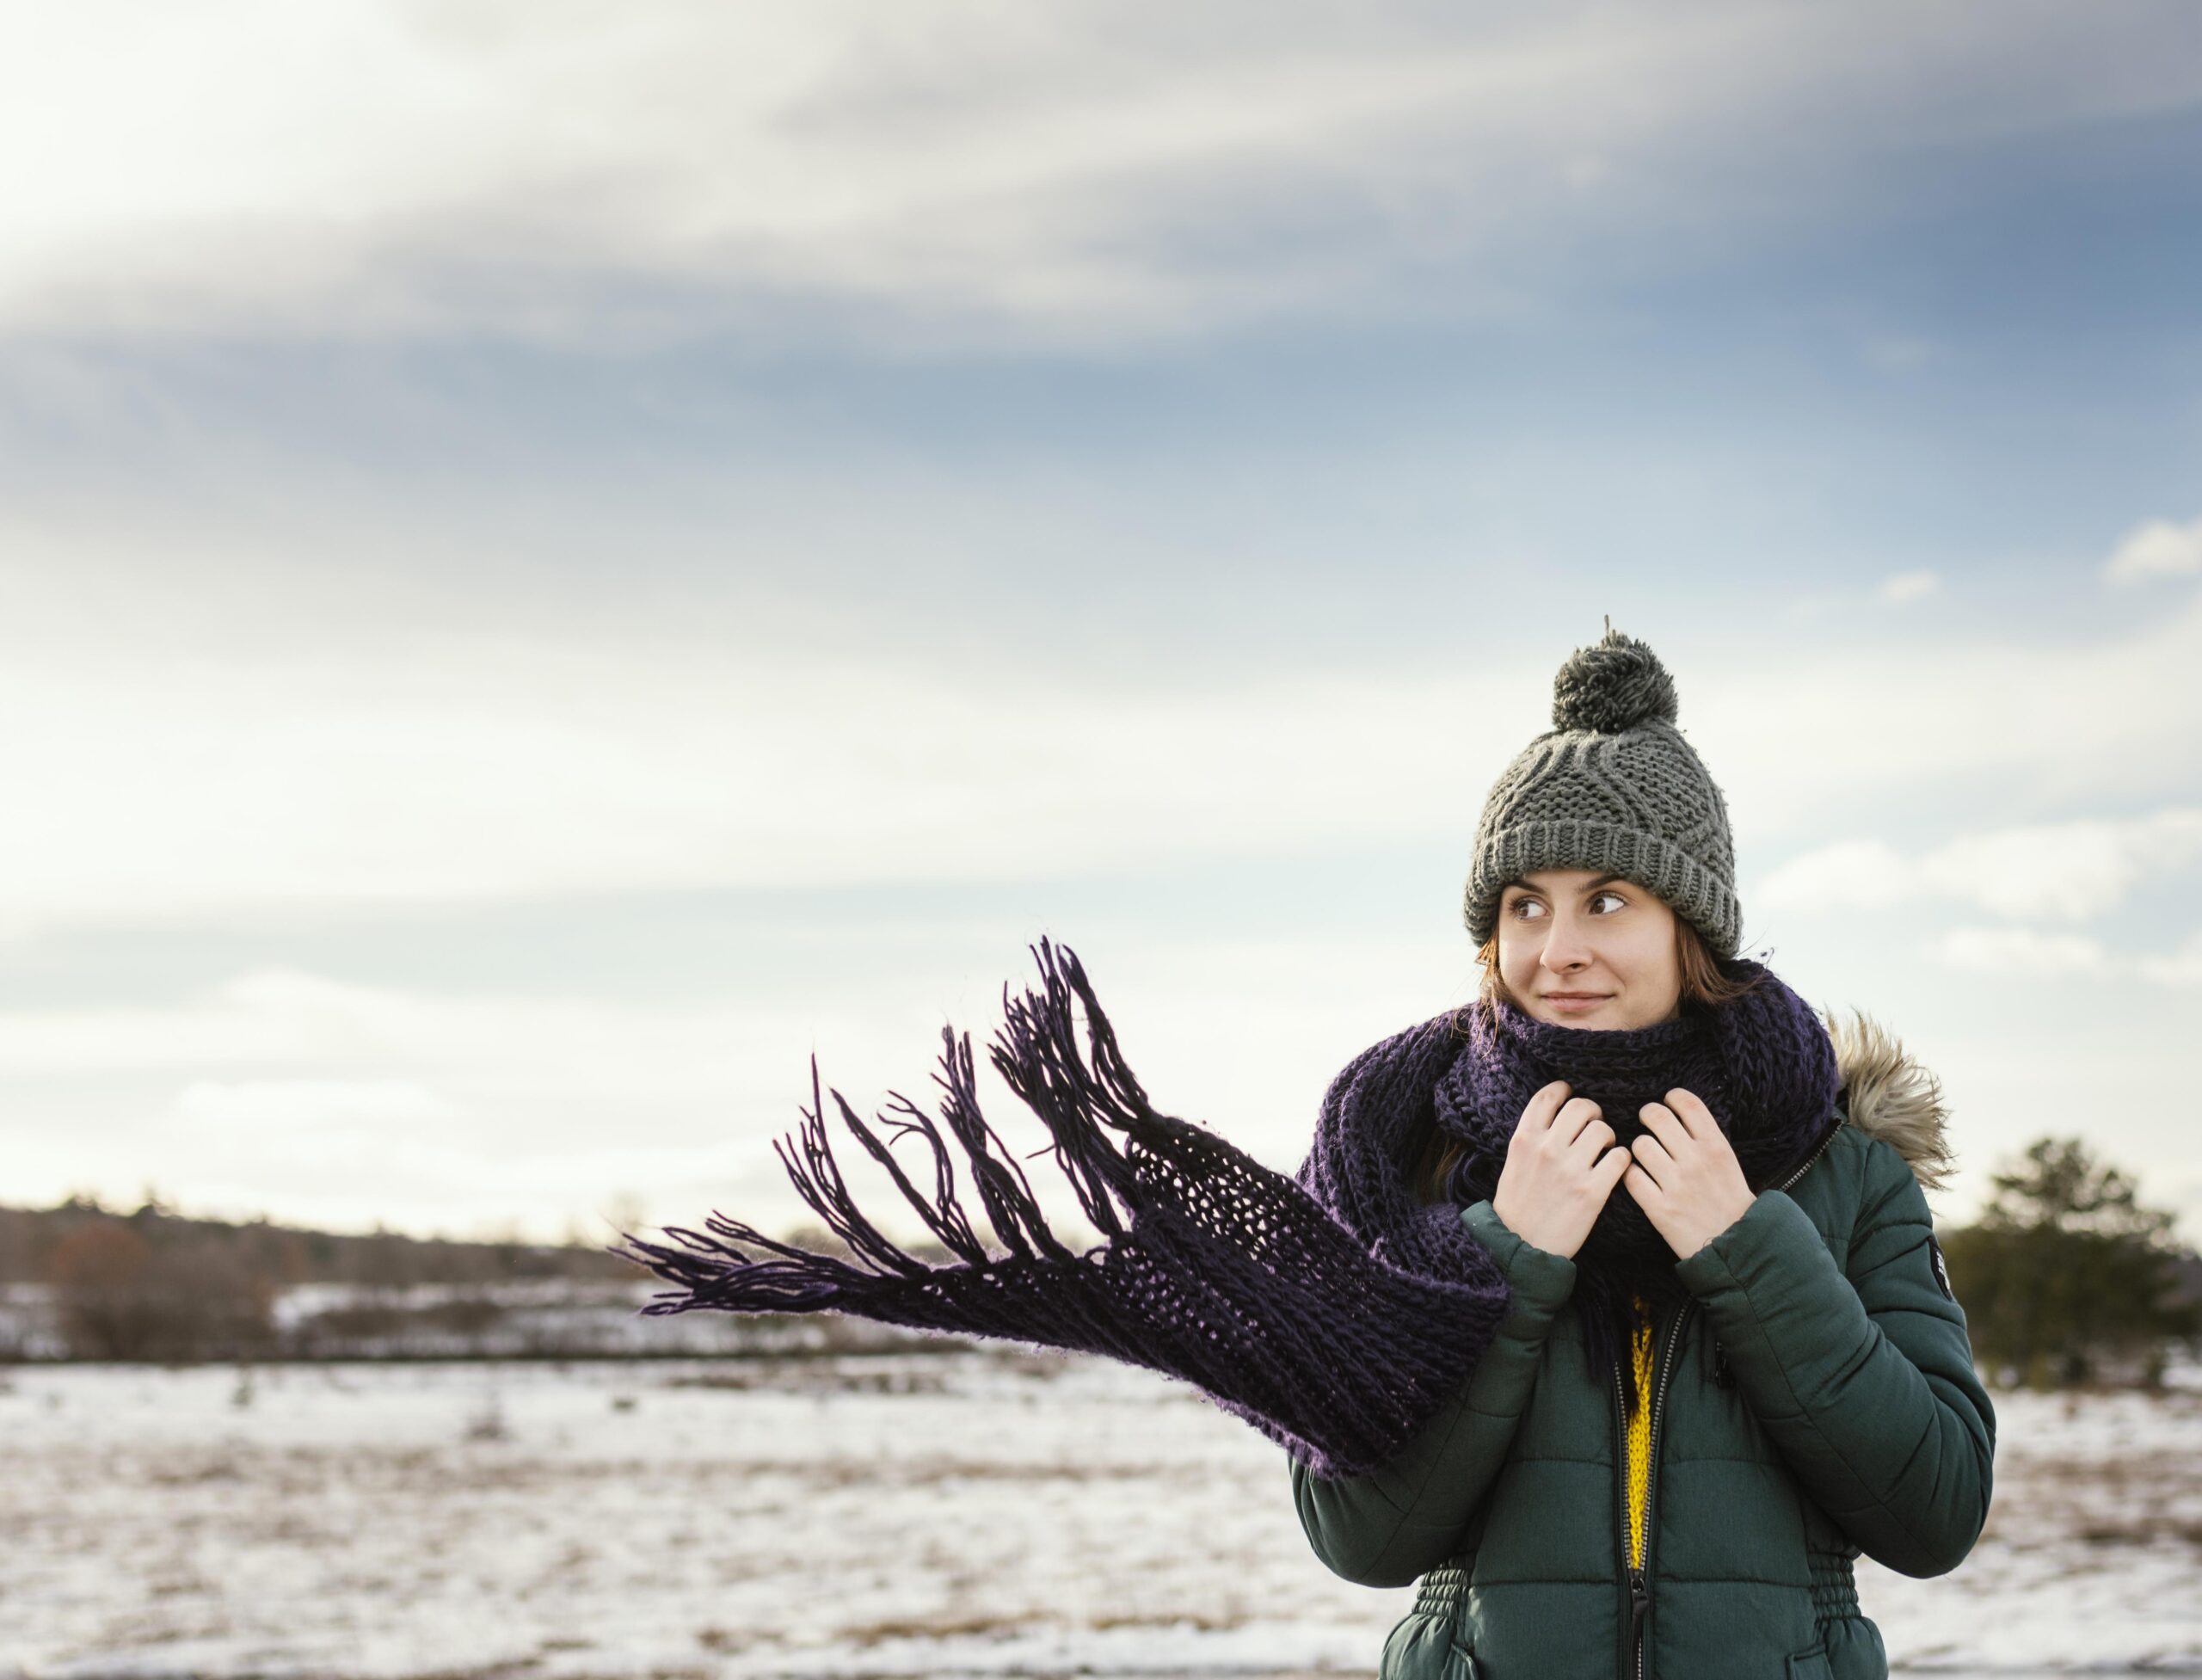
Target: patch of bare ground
1204	1621
811	1379
930	1472
937	1628
2102	1499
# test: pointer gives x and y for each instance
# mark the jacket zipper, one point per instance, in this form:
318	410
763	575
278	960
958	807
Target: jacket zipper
1639	1588
1814	1156
1639	1573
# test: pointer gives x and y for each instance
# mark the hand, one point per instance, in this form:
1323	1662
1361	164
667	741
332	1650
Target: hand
1561	1163
1684	1175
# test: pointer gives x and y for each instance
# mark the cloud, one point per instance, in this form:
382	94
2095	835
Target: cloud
2158	549
306	1096
2073	869
383	1054
529	773
376	167
1907	587
1802	735
307	757
2020	951
262	1108
1852	874
2030	953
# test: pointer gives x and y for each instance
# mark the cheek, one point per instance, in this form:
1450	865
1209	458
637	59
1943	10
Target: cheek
1516	956
1649	959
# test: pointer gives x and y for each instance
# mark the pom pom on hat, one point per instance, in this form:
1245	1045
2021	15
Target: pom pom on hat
1613	685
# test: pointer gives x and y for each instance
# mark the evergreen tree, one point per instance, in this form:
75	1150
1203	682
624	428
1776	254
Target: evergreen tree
2067	1278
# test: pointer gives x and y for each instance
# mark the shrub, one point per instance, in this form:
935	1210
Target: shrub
2066	1278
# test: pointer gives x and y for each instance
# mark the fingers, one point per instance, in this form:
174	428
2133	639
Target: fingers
1662	1122
1593	1140
1638	1182
1538	1115
1609	1171
1577	1114
1651	1157
1689	1108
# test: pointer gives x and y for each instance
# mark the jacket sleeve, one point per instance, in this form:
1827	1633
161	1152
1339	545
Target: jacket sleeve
1865	1381
1399	1522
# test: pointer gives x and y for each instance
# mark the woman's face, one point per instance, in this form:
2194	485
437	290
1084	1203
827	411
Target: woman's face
1584	950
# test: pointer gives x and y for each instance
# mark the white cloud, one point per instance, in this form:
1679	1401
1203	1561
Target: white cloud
1804	735
2065	870
306	783
1862	874
2022	951
307	1097
310	758
2031	953
368	165
2069	870
1906	586
2158	549
2182	967
444	1110
262	1108
451	1050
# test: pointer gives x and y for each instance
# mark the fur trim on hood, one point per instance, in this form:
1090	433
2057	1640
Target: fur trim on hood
1890	1095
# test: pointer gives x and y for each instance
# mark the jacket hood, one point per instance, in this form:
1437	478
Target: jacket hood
1889	1094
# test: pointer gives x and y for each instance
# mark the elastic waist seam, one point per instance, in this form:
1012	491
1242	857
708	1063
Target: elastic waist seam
1833	1586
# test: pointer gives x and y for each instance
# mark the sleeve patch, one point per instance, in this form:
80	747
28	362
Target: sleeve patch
1942	1267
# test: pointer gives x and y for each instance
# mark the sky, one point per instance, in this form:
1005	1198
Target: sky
558	560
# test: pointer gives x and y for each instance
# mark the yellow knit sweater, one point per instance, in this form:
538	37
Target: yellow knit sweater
1639	1445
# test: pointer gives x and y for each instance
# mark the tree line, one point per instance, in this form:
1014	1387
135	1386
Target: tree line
2066	1278
150	1284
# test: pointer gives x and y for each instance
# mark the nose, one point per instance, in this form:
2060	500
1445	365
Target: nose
1565	950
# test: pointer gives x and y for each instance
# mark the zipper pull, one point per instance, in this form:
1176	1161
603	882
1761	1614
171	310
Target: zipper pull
1722	1376
1640	1601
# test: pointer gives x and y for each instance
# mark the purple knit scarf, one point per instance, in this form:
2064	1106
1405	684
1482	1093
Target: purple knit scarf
1334	1310
1762	1063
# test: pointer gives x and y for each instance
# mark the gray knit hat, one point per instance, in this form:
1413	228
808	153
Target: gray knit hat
1611	787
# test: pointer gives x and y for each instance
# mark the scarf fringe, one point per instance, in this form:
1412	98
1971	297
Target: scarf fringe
1212	1269
1036	1054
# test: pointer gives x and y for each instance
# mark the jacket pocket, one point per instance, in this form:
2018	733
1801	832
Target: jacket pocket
1810	1664
1421	1647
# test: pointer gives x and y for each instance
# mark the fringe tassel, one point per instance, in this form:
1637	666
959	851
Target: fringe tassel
1036	1054
1211	1267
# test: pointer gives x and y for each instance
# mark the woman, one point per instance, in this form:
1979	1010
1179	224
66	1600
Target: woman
1795	1383
1615	1435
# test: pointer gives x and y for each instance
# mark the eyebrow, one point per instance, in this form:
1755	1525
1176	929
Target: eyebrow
1587	887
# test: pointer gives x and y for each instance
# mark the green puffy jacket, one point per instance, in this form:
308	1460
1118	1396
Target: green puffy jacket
1814	1399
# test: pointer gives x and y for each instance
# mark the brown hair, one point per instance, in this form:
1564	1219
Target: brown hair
1702	983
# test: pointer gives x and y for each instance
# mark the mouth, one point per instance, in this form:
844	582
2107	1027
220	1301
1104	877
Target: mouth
1576	1003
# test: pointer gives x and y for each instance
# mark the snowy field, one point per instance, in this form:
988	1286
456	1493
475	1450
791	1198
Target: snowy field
937	1515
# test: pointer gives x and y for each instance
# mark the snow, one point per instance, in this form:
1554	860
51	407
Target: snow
935	1515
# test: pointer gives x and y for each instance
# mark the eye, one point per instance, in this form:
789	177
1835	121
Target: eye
1613	895
1521	907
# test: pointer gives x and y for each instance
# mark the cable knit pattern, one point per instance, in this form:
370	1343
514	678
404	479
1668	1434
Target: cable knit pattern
1612	786
1333	1310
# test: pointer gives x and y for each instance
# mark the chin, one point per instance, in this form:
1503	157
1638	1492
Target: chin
1605	1016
